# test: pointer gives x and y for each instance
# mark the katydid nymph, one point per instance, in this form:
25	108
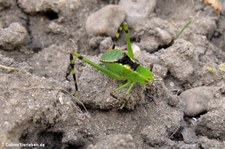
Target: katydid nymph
118	64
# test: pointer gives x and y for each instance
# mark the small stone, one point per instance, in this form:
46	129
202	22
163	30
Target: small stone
137	10
12	36
159	70
135	48
13	102
189	135
149	44
95	41
74	137
154	33
154	135
106	44
31	7
196	99
164	37
59	8
105	21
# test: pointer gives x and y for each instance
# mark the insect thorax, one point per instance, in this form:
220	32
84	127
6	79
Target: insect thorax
125	60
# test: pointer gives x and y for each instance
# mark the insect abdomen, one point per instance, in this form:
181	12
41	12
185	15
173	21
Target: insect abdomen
124	71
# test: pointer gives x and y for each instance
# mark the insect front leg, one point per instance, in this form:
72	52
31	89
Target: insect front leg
131	86
122	86
68	71
128	83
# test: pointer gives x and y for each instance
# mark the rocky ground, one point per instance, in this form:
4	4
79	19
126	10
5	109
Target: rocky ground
183	108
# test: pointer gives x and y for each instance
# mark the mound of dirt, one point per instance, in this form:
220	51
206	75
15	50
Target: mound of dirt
182	108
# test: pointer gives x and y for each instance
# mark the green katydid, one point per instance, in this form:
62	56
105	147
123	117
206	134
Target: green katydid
119	65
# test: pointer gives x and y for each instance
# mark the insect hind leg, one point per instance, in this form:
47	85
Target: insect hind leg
68	71
73	71
115	39
124	26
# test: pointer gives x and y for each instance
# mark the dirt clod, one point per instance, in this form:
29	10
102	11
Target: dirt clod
180	67
105	21
13	36
137	10
29	115
182	108
195	103
212	124
154	135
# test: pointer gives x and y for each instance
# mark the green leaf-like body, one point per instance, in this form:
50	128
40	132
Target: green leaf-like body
112	55
127	73
113	61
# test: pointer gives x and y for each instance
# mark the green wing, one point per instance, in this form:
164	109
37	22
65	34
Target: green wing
112	55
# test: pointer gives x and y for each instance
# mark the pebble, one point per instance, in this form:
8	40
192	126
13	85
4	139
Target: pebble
137	10
163	36
59	8
105	21
31	7
135	48
95	41
106	44
196	99
159	70
189	135
154	135
13	36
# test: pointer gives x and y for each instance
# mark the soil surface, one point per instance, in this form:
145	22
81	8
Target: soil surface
182	108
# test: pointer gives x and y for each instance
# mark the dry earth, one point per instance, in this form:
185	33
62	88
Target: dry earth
183	108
